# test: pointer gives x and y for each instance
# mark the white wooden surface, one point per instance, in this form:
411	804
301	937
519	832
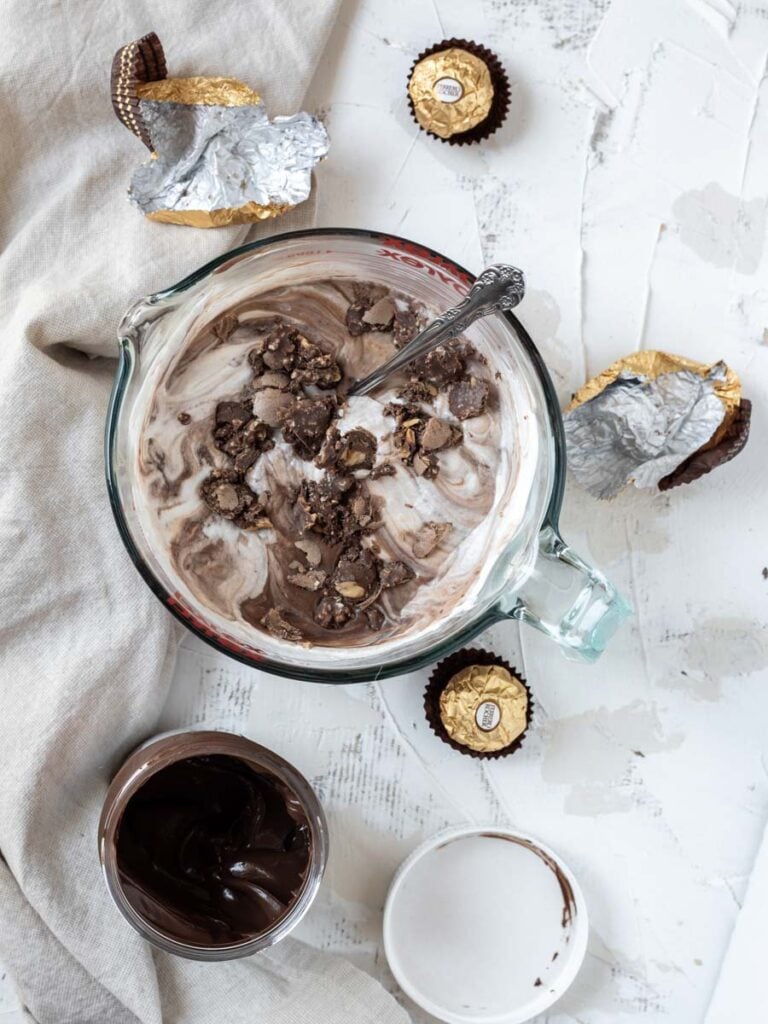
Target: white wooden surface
631	183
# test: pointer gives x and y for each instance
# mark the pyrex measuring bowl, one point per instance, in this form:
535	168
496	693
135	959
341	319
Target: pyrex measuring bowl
534	576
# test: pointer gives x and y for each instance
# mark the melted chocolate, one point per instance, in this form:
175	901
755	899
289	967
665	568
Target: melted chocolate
211	852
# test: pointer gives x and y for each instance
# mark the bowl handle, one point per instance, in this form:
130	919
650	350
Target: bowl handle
574	604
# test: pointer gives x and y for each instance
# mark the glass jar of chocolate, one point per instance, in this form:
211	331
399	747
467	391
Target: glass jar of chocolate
212	846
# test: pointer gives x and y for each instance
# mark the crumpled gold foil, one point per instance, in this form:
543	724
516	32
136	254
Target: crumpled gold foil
225	92
652	363
245	214
450	118
470	702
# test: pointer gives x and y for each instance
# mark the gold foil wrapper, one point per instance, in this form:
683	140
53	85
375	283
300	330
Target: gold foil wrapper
652	364
246	214
222	92
451	91
484	708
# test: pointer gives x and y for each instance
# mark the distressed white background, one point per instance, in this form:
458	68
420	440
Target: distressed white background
631	183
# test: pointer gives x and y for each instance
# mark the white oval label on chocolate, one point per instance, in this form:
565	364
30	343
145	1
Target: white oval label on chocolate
448	90
487	715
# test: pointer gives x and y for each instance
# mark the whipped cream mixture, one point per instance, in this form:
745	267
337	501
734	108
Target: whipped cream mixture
277	505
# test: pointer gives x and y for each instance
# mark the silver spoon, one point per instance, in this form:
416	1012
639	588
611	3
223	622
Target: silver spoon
498	289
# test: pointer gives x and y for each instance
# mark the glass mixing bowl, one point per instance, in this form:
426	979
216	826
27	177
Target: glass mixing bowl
532	575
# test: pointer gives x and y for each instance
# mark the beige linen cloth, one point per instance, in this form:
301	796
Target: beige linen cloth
86	650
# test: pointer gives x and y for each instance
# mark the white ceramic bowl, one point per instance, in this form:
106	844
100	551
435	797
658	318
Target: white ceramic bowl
484	926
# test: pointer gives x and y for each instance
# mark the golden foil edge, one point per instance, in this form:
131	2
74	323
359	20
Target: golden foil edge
447	119
477	685
245	214
652	363
219	92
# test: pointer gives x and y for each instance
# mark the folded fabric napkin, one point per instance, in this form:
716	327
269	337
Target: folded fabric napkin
87	651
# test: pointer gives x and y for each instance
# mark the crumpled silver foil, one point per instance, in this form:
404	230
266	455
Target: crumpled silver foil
639	430
215	157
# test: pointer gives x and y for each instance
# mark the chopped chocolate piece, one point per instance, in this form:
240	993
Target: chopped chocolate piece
374	617
381	314
426	464
225	495
271	380
333	612
418	435
311	551
280	351
439	434
311	580
271	405
313	366
184	418
383	469
394	574
347	452
366	296
406	326
223	327
418	391
355	576
468	398
306	423
429	538
443	365
234	413
276	623
239	435
338	508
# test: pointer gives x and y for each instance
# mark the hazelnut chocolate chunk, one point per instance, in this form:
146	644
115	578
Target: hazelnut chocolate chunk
429	537
311	580
374	617
348	452
337	508
394	574
276	623
443	365
381	314
439	434
355	576
418	391
271	380
271	405
406	326
235	414
333	612
280	349
468	398
305	424
413	427
426	464
383	469
241	436
313	366
366	297
229	498
184	418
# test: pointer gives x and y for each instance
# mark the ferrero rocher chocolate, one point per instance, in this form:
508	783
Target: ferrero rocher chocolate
458	91
654	420
478	704
217	158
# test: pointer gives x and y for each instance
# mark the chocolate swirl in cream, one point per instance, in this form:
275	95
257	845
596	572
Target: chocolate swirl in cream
236	575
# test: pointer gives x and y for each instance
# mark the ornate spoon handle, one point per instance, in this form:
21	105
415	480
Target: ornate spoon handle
498	289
